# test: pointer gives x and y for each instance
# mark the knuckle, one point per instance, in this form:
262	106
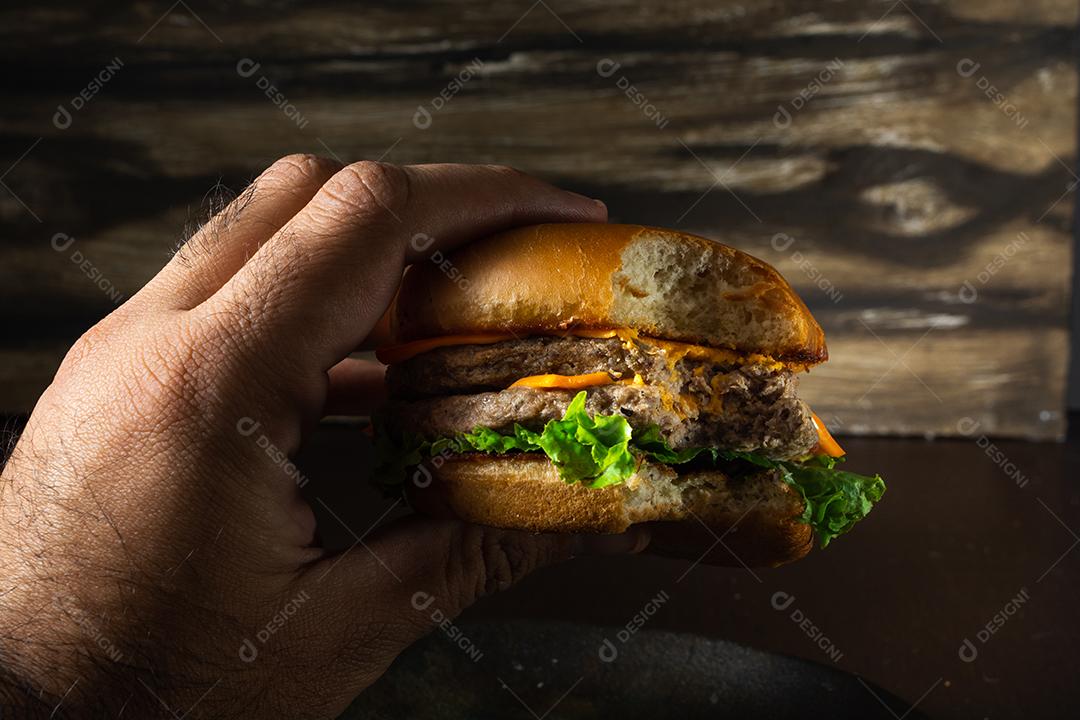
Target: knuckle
301	169
507	171
370	187
506	558
88	345
100	341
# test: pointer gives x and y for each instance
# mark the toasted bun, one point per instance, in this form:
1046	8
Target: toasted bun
751	521
663	283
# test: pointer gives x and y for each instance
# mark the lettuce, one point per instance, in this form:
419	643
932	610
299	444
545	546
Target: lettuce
835	499
602	450
594	451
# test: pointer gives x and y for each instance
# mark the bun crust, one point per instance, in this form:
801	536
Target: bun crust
663	283
756	517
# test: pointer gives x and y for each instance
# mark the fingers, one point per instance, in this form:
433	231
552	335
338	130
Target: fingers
357	387
221	247
326	277
459	563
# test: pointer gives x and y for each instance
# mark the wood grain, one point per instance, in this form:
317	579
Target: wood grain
898	181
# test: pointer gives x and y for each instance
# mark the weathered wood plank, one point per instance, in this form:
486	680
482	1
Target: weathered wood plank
898	181
293	28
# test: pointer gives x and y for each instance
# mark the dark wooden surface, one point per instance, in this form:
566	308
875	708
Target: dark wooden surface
898	181
953	541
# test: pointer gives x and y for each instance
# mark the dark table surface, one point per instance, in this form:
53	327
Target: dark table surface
967	531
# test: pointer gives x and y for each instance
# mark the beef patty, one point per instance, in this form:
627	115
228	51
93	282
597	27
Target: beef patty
759	412
461	369
695	402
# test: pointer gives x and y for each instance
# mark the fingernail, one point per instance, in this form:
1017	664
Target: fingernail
632	541
594	201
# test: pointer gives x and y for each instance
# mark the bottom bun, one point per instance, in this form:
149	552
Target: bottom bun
751	520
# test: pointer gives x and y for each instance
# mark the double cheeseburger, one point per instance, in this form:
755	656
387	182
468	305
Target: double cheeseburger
587	377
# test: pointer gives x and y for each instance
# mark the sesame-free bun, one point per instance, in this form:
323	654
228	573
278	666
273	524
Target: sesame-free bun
703	514
662	283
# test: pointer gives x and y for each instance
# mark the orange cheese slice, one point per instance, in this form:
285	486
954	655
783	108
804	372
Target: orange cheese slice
826	444
565	382
675	351
586	333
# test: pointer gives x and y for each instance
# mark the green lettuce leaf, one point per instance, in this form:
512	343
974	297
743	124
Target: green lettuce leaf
652	443
594	451
835	499
603	450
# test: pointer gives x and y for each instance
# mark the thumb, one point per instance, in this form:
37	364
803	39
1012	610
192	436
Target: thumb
453	564
398	584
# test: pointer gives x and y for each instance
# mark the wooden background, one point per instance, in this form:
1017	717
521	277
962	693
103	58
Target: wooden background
898	181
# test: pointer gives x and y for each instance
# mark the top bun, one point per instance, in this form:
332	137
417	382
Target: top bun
663	283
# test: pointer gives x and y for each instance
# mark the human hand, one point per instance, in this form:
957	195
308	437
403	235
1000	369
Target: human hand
145	537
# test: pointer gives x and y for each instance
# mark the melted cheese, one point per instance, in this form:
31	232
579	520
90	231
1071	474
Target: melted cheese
595	334
565	382
675	351
826	444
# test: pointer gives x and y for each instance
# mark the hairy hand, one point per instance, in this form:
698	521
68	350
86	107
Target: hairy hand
145	539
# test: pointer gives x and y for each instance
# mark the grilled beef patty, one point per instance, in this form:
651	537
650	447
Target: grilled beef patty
695	402
462	369
759	413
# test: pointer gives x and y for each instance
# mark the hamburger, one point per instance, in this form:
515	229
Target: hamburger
588	377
